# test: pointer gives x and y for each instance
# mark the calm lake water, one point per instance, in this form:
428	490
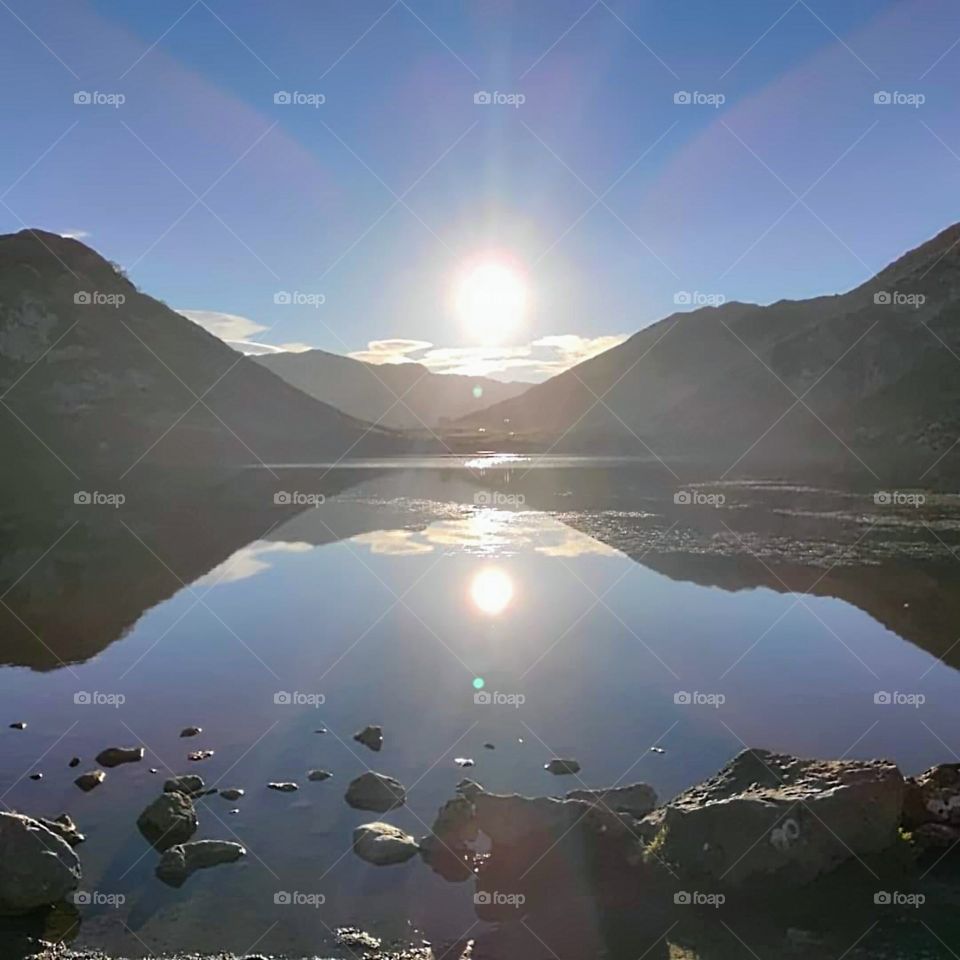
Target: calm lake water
602	618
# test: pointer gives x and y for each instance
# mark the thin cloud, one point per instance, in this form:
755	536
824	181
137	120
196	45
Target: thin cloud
226	326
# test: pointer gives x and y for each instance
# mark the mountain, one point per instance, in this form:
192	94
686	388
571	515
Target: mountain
97	375
405	396
877	371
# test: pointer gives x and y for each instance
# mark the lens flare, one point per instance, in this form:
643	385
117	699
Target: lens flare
491	299
491	591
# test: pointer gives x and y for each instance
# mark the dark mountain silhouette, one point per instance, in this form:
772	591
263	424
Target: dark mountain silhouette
401	395
102	375
877	370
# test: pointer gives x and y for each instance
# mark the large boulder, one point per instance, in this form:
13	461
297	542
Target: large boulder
37	868
179	861
383	844
376	792
169	820
931	807
770	814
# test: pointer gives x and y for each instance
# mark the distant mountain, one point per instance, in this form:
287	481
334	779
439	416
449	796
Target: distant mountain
400	395
101	375
877	368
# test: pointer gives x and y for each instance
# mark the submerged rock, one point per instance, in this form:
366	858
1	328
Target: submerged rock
370	736
64	828
114	756
561	767
36	776
171	819
37	867
469	788
283	786
809	816
19	725
74	762
383	844
179	861
87	781
189	784
464	762
318	776
375	791
231	793
196	755
191	731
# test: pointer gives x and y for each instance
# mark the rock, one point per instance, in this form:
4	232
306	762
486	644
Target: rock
513	820
114	756
469	788
19	725
169	820
933	797
371	737
383	844
489	746
561	767
455	823
320	730
767	814
231	793
283	787
463	762
179	861
377	792
935	836
319	775
191	731
657	750
37	867
87	781
196	755
189	784
36	776
75	762
638	799
64	828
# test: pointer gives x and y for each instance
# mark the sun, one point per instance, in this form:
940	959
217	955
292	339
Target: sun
492	296
491	591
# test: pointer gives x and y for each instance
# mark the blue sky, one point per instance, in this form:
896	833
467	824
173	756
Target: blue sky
612	196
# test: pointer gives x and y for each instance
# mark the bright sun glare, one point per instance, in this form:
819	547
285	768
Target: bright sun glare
491	591
491	299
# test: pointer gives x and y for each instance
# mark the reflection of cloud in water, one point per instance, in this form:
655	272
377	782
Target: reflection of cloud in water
488	532
248	561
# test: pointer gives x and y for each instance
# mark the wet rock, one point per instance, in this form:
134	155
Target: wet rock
196	755
317	776
356	939
375	791
283	786
561	767
933	797
189	784
657	750
935	836
464	762
114	756
64	828
383	844
231	793
513	820
455	823
469	788
371	737
37	867
36	776
87	781
811	815
169	820
19	725
75	762
489	746
454	864
320	730
637	799
191	731
179	861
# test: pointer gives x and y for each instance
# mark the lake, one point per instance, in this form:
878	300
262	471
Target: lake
560	609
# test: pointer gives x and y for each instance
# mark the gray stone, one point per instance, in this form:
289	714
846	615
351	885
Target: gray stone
370	736
231	793
114	756
933	797
283	786
64	828
37	868
375	791
317	776
87	781
561	767
179	861
637	799
189	784
169	820
383	844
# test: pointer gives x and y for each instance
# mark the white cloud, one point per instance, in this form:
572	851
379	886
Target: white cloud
75	234
226	326
390	351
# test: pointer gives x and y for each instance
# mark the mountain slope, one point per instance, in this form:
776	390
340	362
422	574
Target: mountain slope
846	382
101	376
402	395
